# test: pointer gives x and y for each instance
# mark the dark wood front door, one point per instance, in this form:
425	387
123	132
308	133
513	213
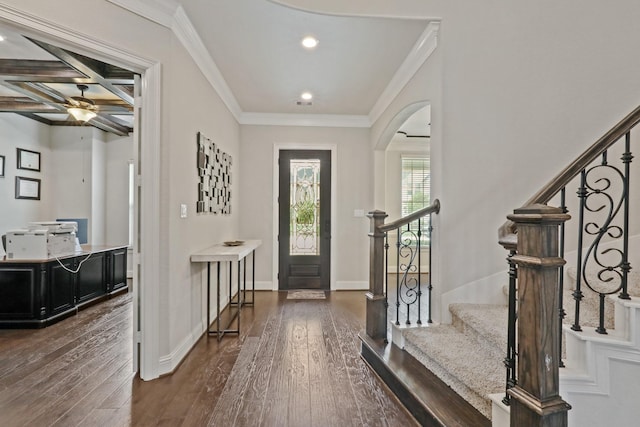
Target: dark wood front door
304	234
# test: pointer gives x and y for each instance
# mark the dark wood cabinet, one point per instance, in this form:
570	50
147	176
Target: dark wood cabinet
61	286
91	279
117	264
36	293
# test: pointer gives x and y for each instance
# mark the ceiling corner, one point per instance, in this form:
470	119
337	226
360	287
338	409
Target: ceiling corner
319	120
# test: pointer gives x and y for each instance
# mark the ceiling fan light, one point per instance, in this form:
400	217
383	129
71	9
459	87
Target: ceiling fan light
81	114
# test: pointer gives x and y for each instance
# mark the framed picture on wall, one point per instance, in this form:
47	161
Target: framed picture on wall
1	166
28	160
27	188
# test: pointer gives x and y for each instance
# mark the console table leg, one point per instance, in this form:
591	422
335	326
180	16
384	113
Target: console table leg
208	294
218	306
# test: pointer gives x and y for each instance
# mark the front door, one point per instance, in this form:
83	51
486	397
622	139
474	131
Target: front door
304	236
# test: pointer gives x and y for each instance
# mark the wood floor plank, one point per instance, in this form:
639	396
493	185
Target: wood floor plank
81	408
61	367
275	408
339	384
253	404
42	345
295	363
72	372
299	406
226	409
377	407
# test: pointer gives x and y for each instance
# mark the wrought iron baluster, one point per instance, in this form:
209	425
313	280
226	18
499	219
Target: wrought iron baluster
418	245
577	293
386	276
510	360
398	277
429	282
561	312
405	276
627	157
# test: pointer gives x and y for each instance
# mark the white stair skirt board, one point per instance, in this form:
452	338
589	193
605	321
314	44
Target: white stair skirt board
600	380
500	414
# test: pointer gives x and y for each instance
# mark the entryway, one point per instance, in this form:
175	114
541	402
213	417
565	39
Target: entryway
304	219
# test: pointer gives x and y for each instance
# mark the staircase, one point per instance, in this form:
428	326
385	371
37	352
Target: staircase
467	355
524	352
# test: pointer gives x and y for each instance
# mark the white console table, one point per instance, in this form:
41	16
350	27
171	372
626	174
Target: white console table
222	253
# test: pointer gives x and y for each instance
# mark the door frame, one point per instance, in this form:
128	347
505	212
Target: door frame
334	175
148	236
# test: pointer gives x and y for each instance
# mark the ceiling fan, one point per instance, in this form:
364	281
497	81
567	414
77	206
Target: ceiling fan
81	108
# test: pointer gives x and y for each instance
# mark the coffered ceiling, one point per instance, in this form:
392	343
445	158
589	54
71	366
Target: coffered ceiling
39	81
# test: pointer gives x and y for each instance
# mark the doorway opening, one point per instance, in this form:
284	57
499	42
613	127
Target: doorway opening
146	138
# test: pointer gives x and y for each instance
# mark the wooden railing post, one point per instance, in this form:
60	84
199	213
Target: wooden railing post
535	400
376	326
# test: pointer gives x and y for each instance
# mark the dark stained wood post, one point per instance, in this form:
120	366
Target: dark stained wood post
535	399
376	300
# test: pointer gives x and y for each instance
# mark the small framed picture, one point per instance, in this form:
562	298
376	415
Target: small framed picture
27	188
1	166
28	160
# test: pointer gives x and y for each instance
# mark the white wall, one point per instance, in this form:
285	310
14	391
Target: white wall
72	174
20	132
354	191
98	187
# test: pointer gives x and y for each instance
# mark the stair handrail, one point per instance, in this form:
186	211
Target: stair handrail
377	303
432	208
553	187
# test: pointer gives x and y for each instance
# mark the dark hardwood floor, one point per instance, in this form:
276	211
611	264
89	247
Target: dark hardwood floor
296	363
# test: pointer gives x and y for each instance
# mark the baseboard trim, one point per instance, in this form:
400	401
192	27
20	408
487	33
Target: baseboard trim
168	364
352	286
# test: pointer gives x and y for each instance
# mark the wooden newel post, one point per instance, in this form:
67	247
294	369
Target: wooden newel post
376	300
535	399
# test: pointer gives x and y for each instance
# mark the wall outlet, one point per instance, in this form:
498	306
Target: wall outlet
183	210
358	213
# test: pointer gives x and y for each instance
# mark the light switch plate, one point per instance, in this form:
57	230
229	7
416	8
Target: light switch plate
183	210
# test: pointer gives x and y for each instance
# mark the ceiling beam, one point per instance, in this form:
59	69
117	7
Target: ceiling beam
78	64
109	124
33	69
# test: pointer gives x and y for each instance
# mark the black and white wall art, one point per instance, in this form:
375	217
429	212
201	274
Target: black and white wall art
214	171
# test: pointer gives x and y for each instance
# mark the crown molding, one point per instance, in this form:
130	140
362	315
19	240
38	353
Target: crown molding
169	13
421	51
188	36
159	11
321	120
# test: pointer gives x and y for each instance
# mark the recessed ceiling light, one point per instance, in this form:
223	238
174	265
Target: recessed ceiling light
306	96
309	42
2	38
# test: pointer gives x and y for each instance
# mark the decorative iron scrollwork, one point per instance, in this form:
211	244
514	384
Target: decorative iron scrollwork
609	261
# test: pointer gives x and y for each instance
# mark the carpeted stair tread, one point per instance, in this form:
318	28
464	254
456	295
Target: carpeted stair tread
455	359
486	322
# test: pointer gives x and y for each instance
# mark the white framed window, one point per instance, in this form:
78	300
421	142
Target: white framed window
415	192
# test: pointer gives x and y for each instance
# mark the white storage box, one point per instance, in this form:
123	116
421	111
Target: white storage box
39	244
